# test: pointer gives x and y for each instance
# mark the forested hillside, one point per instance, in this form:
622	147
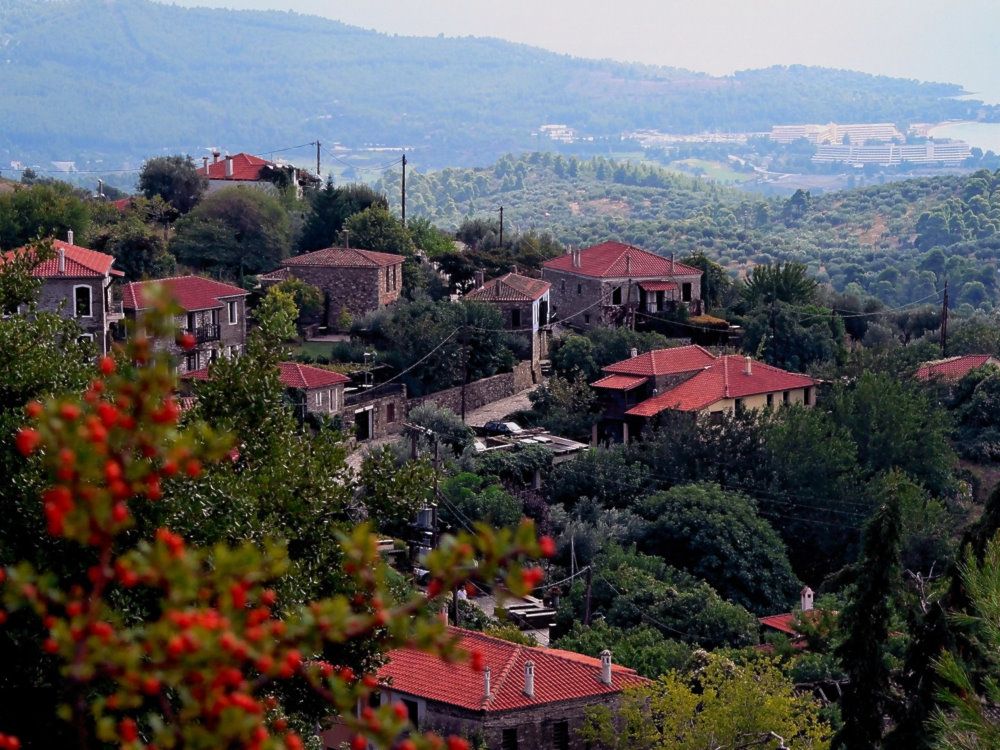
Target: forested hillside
140	78
899	242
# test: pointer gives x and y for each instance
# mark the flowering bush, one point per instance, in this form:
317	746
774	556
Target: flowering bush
201	667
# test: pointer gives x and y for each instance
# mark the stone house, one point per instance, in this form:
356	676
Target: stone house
215	313
693	380
351	280
524	304
611	283
78	283
252	171
525	698
314	390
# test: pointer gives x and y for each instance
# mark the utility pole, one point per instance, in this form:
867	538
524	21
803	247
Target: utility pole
501	227
404	190
319	173
944	322
586	606
465	356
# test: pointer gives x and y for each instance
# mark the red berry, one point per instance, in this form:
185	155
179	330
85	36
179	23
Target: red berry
359	743
106	365
27	440
33	410
547	546
128	730
457	743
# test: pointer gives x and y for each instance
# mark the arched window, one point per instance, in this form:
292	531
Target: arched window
81	302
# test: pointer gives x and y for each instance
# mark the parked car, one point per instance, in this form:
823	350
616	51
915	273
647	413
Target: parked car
501	427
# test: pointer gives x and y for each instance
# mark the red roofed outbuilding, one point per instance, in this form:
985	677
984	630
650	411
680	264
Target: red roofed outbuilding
692	379
608	284
78	283
525	697
953	369
213	312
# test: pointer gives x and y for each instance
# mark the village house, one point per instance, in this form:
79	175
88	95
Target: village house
213	312
611	283
313	389
524	698
693	380
252	171
524	304
77	283
353	281
953	369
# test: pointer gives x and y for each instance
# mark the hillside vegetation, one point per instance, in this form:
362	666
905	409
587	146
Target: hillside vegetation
140	78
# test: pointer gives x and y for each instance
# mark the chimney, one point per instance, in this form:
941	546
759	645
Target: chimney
69	237
576	259
569	250
347	238
634	352
480	278
748	370
606	667
204	162
529	679
62	260
628	263
229	165
215	156
807	598
486	682
513	268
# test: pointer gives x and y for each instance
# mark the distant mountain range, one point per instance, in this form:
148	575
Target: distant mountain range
108	83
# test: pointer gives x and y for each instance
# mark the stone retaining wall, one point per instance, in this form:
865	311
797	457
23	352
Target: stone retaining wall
481	392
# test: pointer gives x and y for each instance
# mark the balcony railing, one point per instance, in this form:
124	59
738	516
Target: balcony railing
205	333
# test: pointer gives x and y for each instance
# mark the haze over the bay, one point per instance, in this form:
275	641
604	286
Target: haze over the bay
929	40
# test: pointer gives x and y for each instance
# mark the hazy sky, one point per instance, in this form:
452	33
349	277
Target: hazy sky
936	40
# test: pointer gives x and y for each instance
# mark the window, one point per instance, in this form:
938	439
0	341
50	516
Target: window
562	285
515	318
387	278
770	400
560	735
686	291
786	397
509	741
412	711
215	317
319	398
231	305
659	302
85	338
616	296
334	400
579	288
390	413
740	407
192	362
81	302
395	284
586	318
807	396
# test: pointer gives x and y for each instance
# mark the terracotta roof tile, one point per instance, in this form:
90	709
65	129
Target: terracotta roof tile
725	378
618	260
293	375
619	382
345	257
658	286
511	287
664	361
190	292
559	675
954	368
79	262
245	168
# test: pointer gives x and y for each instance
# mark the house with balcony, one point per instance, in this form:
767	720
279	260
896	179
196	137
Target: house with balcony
213	312
690	379
524	304
611	283
525	697
79	283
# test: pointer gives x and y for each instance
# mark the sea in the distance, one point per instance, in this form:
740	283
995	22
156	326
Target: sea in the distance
984	135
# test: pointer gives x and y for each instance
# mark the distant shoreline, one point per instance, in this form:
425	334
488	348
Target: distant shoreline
983	135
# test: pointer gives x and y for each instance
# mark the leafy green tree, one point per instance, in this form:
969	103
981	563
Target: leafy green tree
139	250
376	229
46	210
308	298
643	649
429	239
566	406
233	232
718	536
574	356
330	209
714	703
469	498
444	424
779	282
175	179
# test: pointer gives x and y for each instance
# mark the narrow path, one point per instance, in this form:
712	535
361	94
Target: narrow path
499	409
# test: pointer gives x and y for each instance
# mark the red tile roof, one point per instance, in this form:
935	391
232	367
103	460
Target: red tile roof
664	361
658	286
559	675
725	378
954	368
510	288
618	260
293	375
619	382
780	622
245	167
79	262
345	257
190	292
